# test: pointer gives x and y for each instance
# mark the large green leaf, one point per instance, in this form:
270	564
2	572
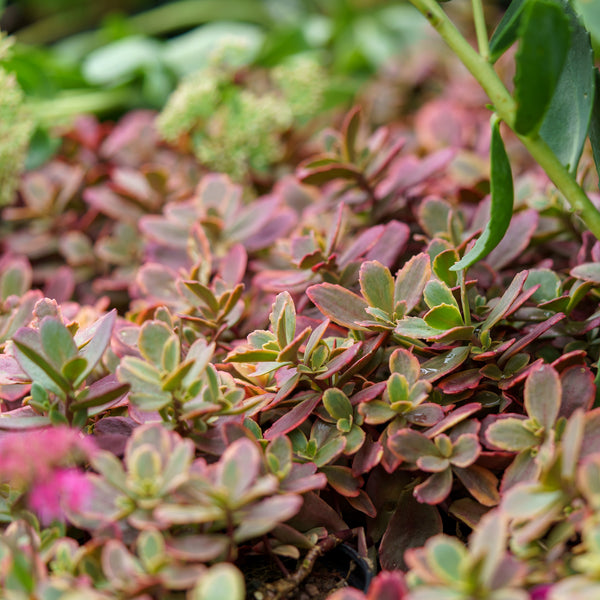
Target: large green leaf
505	35
502	192
595	124
544	35
590	13
566	123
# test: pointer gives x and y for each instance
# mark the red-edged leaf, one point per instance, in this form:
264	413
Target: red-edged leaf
460	382
441	365
342	480
294	418
481	484
455	417
578	390
543	396
339	304
435	488
411	525
340	361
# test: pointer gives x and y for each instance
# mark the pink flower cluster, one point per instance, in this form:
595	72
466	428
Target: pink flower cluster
42	463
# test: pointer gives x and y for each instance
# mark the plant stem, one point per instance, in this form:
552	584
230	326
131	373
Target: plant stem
505	106
481	30
464	300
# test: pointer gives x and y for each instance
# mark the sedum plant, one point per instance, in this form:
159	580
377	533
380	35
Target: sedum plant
58	361
267	377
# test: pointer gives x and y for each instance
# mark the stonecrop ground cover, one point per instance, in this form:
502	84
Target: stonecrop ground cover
298	280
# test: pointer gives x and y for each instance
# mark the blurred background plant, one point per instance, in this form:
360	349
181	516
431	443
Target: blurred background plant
109	57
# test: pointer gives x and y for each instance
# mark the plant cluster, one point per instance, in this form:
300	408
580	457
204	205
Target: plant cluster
195	371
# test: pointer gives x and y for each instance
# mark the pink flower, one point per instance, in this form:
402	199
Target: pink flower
33	455
540	592
65	490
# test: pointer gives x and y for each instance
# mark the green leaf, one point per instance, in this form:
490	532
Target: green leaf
411	445
505	302
263	516
406	363
171	354
397	388
94	342
543	396
29	355
544	35
151	550
443	317
436	367
120	60
99	394
174	380
153	337
337	404
339	304
502	192
220	581
185	514
415	327
144	463
19	423
445	556
595	123
283	319
530	500
57	342
566	123
411	280
73	369
590	13
511	434
140	374
442	267
437	292
548	281
505	35
377	286
205	294
151	400
350	132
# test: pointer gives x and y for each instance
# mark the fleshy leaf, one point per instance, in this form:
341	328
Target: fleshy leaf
443	316
222	580
511	434
339	304
435	488
411	280
377	285
337	404
410	445
543	395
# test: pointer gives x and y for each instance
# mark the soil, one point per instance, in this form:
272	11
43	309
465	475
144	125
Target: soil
337	569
